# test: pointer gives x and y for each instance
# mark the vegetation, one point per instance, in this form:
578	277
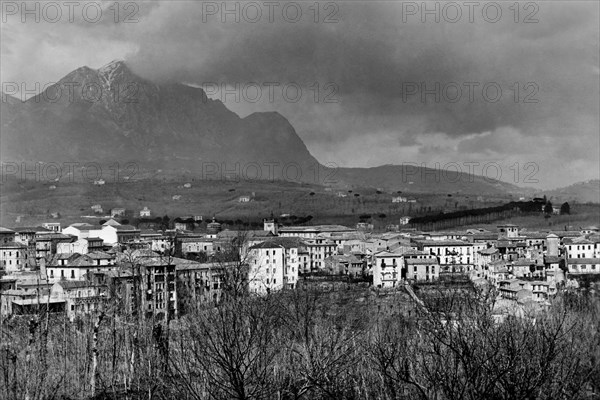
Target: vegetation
311	344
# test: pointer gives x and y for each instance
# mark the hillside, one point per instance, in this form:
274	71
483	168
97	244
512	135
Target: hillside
34	202
582	192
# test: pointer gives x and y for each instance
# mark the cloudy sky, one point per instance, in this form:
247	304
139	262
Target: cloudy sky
381	82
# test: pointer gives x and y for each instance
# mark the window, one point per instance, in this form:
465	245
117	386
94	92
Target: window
72	273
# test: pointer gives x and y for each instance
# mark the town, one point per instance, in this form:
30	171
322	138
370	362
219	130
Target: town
74	270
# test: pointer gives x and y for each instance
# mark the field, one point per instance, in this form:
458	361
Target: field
35	201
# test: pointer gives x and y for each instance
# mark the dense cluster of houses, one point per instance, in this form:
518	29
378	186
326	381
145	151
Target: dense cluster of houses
79	268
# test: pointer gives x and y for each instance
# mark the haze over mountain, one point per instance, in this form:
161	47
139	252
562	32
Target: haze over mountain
110	115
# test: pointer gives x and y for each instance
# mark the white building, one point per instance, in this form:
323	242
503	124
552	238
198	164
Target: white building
13	257
453	255
273	265
75	267
387	269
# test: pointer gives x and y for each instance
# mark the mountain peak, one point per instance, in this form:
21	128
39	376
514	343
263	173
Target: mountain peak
114	70
114	64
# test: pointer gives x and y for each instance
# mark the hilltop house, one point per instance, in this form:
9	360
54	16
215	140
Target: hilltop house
117	212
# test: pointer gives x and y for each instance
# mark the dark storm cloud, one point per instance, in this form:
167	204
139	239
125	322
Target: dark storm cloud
373	56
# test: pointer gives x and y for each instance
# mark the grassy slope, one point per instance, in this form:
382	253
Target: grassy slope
33	201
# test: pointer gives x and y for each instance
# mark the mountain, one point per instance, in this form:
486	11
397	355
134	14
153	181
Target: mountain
111	115
413	179
582	192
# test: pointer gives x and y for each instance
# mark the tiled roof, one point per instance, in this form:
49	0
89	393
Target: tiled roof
430	243
422	261
583	261
12	245
100	255
125	228
74	284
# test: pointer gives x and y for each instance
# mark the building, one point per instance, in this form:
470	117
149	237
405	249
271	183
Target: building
199	283
185	224
273	265
343	264
13	257
111	222
119	234
196	245
26	236
145	212
52	226
422	269
81	246
508	231
579	266
80	297
452	255
318	250
6	235
82	230
388	269
117	212
77	267
581	248
271	226
47	243
311	232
